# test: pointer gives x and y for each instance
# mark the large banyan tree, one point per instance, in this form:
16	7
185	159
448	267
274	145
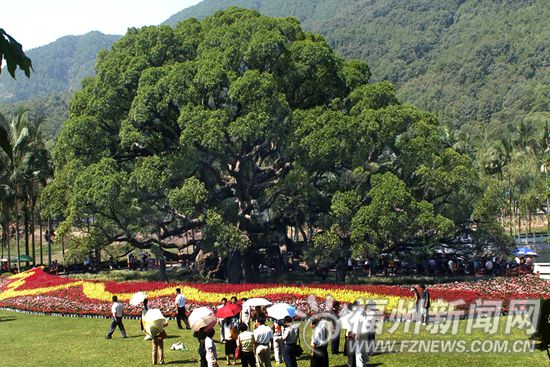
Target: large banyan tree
242	126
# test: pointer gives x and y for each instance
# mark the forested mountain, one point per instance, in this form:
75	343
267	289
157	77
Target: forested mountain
58	67
482	66
471	62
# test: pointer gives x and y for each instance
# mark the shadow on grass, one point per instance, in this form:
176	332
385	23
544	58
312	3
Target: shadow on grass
173	337
8	319
181	361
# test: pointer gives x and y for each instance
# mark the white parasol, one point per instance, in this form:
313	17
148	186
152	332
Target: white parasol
253	302
154	322
138	298
280	310
199	313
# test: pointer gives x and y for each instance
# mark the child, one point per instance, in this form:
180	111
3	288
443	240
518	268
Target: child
201	337
278	346
211	352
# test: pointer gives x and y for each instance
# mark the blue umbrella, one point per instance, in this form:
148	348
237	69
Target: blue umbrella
524	251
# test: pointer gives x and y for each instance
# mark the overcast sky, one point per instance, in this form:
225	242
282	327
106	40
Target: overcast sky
35	23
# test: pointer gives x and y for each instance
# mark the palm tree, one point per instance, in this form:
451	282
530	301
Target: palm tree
39	170
22	155
524	137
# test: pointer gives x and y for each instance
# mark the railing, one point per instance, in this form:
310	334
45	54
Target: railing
542	270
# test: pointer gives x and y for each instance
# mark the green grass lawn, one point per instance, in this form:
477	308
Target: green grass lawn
28	340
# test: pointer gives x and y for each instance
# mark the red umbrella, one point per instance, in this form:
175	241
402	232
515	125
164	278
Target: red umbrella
229	310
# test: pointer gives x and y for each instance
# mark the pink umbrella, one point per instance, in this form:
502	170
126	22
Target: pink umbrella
205	322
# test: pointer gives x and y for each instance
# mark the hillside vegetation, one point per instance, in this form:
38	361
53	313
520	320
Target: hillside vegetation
58	67
467	61
473	63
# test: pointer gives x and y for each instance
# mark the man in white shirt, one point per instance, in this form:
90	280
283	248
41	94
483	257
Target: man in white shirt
262	338
319	342
366	328
180	306
117	310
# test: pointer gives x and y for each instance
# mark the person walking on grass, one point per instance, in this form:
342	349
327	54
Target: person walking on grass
117	310
262	338
180	309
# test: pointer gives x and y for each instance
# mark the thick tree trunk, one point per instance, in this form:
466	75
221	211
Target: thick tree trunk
341	270
97	255
235	268
280	265
208	264
162	270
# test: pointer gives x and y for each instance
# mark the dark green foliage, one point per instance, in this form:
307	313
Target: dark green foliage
241	125
466	61
12	52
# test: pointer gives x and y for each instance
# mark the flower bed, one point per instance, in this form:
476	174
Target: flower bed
36	290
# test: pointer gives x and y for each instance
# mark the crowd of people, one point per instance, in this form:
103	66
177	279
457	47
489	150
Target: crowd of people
141	262
445	265
252	336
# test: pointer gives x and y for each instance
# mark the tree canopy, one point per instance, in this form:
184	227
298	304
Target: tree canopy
242	126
